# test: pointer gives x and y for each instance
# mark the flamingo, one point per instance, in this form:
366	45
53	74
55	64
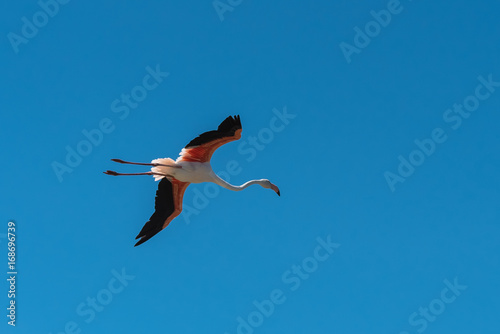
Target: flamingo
192	166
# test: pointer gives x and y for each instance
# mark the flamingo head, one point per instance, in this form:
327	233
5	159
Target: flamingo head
269	185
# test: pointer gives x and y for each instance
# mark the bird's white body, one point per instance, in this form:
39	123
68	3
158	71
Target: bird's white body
190	171
196	172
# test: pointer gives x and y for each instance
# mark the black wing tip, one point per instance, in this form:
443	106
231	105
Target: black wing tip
230	125
145	236
227	128
237	121
140	242
147	232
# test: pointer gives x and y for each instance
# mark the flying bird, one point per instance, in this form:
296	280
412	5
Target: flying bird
192	166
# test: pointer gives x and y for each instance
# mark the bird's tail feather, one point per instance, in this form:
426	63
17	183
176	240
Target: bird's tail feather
162	169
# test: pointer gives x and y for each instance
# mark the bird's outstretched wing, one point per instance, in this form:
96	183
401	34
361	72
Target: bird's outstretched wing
168	205
202	147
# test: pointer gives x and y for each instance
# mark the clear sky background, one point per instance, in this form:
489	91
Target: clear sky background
395	248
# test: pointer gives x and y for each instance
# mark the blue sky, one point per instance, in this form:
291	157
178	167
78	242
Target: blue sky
373	233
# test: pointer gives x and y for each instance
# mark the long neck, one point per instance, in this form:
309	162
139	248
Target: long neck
229	186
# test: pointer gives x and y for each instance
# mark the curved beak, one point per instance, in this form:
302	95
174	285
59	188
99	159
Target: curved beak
276	189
